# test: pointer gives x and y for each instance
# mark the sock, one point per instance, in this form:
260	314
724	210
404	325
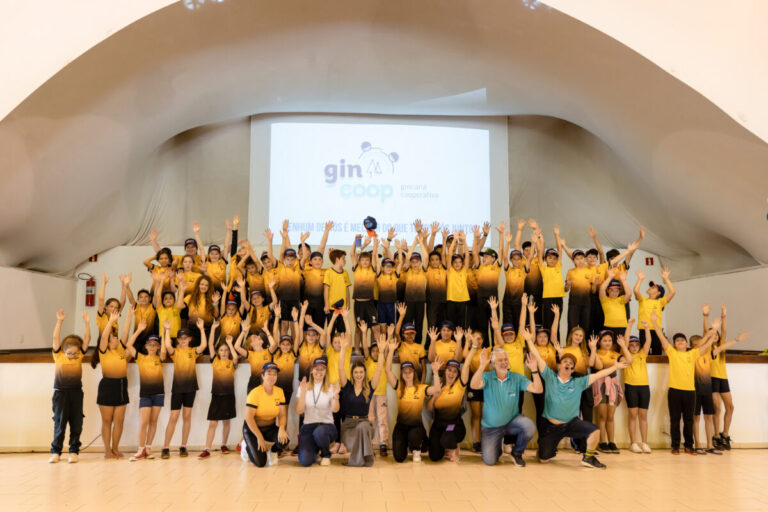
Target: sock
589	453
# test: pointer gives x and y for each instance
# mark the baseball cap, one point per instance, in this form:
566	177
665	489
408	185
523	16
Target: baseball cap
269	366
541	329
592	252
515	252
659	287
416	255
551	251
578	252
409	327
634	339
289	252
190	241
453	364
507	328
231	302
315	254
679	335
615	283
407	364
387	261
214	247
320	361
184	332
448	324
153	337
490	252
605	332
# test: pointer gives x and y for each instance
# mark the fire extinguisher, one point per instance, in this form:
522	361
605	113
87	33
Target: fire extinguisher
90	292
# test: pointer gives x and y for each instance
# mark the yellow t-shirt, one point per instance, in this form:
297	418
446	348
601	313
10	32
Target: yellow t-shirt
516	353
718	366
549	354
313	283
333	363
437	283
445	350
184	370
102	320
581	282
196	261
412	352
198	310
259	318
644	308
230	326
150	375
69	372
457	285
337	283
286	362
257	358
608	358
174	314
164	274
552	277
600	271
370	369
448	403
307	355
190	278
267	405
636	374
217	272
387	285
223	376
614	311
114	364
581	361
256	282
410	404
682	368
474	364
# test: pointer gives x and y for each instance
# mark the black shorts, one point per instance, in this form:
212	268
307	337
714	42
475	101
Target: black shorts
551	434
222	408
112	392
720	385
366	311
637	396
474	395
186	399
704	403
386	311
254	382
286	306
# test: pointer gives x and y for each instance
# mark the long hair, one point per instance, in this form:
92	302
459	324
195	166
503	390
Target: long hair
401	385
366	389
582	345
326	380
194	297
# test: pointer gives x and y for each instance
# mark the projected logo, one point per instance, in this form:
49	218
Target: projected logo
374	163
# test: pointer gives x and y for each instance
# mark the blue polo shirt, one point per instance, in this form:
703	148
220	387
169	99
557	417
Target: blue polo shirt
562	399
500	398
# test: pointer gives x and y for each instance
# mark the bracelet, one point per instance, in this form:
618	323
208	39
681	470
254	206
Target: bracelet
534	371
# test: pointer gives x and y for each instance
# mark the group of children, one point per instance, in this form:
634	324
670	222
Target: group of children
280	315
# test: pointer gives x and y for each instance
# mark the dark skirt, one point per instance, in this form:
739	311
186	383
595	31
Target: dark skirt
222	408
112	392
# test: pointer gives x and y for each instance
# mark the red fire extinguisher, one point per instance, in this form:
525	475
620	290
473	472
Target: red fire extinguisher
90	292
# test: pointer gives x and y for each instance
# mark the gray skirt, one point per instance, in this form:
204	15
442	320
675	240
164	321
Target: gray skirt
357	436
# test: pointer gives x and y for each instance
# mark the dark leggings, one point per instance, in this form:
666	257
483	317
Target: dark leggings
681	404
405	437
435	313
547	316
596	318
441	438
258	457
579	311
456	312
511	311
415	314
483	319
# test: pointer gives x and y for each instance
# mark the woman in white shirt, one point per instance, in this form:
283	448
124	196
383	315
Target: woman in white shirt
317	401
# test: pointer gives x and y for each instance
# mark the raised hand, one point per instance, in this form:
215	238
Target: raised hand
200	324
215	324
486	228
524	300
665	273
644	324
286	223
142	325
622	364
556	229
531	363
556	309
295	314
723	310
86	316
640	275
432	332
612	272
592	342
532	308
621	341
245	325
592	232
493	302
167	324
304	236
716	324
485	358
401	308
60	315
508	237
705	309
235	221
227	224
216	297
502	227
445	232
268	234
153	235
391	330
104	279
304	306
521	224
417	225
533	224
436	365
459	333
363	326
742	336
113	317
435	227
196	227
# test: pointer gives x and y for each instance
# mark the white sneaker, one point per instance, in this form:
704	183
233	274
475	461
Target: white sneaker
73	458
325	461
271	458
416	455
244	452
506	448
646	448
635	448
54	458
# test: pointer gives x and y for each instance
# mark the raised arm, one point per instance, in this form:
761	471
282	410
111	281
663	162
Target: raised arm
519	235
102	291
528	337
227	241
723	314
345	342
245	325
60	315
618	365
324	239
130	349
709	337
553	334
623	255
599	247
270	250
594	361
647	340
430	245
432	333
604	285
621	341
561	243
166	340
670	287
153	240
353	250
383	356
285	237
625	285
633	247
726	345
104	340
401	309
477	377
636	289
127	325
656	327
466	365
388	367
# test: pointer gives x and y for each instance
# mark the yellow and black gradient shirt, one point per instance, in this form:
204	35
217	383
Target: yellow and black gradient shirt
365	281
307	355
533	277
488	280
114	364
184	370
256	282
230	326
259	318
448	403
410	403
313	284
437	284
703	373
174	314
472	282
288	282
267	406
147	313
150	375
387	284
257	359
102	319
514	282
581	283
415	284
286	362
718	366
69	372
217	272
190	278
164	273
223	376
234	272
198	310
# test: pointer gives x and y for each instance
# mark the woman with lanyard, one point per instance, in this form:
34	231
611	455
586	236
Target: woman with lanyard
265	420
317	400
448	428
356	395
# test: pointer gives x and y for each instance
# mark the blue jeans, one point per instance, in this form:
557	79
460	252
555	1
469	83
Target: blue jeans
520	426
314	437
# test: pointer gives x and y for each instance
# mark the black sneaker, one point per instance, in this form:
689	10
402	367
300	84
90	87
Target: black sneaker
183	451
518	459
592	462
383	450
718	443
675	451
477	447
690	451
603	448
612	446
725	441
165	454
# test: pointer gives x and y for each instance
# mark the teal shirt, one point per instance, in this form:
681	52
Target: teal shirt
500	399
561	400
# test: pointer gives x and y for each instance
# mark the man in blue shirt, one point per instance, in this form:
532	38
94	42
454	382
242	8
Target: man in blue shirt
562	396
501	415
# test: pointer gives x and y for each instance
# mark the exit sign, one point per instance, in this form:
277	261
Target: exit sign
649	261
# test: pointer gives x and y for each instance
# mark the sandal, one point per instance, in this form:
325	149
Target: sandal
701	451
714	451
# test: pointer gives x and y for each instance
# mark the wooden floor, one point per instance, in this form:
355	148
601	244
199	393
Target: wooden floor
660	481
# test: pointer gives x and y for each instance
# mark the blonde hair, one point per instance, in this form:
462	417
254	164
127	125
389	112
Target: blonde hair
326	379
582	345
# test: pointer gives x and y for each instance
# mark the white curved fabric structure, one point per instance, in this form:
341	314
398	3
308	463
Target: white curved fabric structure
79	155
